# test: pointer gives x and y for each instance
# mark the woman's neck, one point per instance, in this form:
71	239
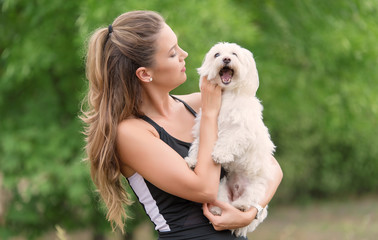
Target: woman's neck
157	104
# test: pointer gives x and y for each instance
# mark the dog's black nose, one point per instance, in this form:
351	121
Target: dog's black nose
226	60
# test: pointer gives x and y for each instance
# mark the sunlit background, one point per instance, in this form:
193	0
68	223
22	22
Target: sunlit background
317	62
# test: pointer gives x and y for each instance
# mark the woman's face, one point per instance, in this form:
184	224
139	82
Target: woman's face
169	68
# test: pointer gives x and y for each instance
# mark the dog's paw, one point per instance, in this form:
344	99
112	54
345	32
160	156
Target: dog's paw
191	162
264	213
253	225
216	210
241	232
240	205
222	157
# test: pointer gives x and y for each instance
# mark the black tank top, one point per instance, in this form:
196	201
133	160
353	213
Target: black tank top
174	217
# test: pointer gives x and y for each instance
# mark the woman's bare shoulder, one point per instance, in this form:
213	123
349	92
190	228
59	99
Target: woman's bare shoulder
131	126
130	132
193	100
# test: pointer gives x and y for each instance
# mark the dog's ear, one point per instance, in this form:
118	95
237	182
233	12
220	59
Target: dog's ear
247	57
249	61
205	68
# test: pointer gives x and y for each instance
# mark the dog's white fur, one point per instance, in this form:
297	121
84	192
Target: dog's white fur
244	147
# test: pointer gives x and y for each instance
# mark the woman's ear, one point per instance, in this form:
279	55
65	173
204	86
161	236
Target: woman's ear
143	74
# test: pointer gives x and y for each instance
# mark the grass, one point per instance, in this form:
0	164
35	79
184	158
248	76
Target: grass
348	219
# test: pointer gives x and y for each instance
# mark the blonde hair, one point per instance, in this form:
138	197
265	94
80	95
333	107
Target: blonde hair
114	94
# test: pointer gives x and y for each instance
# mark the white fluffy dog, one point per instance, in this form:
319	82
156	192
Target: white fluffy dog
244	147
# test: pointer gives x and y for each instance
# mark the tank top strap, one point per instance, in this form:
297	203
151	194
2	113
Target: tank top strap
152	122
157	126
190	109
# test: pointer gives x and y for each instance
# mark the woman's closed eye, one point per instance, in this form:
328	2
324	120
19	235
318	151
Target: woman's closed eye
173	54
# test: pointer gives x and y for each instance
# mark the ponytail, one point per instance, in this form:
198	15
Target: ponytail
114	94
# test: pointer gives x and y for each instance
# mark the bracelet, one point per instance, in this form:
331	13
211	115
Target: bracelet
259	209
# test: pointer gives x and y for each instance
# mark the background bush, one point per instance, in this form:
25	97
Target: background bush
317	62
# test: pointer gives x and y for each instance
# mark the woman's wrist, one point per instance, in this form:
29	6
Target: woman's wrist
250	215
208	135
209	116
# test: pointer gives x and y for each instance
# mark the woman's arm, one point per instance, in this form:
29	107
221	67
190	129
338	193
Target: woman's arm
141	149
233	218
208	136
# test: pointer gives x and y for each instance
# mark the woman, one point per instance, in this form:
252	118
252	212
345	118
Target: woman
136	129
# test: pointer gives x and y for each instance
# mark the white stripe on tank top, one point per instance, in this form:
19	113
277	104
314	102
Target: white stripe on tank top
140	188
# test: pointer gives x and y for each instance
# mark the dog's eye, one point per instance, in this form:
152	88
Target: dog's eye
216	55
234	54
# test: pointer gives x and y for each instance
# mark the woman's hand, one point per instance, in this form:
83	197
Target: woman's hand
210	97
231	217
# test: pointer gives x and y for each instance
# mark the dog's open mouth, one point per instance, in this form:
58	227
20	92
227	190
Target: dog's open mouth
226	74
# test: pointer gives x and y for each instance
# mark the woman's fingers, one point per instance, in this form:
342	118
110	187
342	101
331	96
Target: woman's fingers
210	97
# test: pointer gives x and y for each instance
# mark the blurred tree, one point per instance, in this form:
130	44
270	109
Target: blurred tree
317	63
41	145
318	82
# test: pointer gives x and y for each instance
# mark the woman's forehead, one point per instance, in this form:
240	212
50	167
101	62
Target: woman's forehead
167	38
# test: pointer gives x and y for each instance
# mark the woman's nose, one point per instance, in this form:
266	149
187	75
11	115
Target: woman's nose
183	54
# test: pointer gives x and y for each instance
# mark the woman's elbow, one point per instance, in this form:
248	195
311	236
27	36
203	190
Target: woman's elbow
277	171
279	175
203	193
208	195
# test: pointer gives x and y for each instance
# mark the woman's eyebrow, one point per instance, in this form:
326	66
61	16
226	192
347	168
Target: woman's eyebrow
174	46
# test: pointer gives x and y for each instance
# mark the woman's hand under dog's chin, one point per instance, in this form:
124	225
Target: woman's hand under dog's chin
231	217
210	98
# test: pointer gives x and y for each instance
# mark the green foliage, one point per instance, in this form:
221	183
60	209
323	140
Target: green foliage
41	144
318	83
317	63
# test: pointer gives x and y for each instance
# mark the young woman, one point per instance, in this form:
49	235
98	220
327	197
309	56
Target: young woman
136	129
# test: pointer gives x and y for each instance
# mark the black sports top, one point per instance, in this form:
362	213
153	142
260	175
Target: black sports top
174	217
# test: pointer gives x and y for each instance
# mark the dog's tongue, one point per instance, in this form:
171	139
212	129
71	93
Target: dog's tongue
226	75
